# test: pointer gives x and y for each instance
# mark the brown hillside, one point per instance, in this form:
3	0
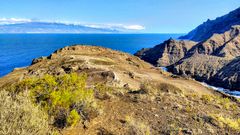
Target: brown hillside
143	100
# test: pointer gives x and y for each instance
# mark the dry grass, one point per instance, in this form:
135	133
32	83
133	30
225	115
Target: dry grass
18	116
139	128
165	87
101	62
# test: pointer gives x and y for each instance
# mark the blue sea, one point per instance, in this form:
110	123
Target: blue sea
18	50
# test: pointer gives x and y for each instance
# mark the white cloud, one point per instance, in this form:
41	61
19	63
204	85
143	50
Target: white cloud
13	20
134	27
116	26
119	27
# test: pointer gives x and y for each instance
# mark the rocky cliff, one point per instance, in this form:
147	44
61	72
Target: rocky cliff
210	27
167	53
229	74
204	61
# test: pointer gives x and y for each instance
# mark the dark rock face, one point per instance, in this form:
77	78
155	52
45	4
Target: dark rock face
198	66
167	53
210	27
207	58
229	74
215	60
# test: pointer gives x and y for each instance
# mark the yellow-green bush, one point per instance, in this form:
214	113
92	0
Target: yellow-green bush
229	122
188	109
18	116
60	95
225	102
73	118
207	98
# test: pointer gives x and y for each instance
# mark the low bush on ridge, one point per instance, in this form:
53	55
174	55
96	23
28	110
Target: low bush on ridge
233	123
65	97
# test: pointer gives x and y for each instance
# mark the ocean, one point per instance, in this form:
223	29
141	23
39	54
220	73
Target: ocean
18	50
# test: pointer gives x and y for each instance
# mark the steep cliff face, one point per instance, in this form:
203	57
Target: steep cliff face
202	61
205	60
167	53
229	74
210	27
221	45
199	66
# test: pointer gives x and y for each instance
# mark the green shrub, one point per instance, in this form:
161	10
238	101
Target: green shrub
229	122
188	109
225	102
73	118
234	107
207	98
60	95
18	116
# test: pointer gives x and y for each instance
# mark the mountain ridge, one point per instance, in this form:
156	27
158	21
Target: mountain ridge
47	27
205	61
210	27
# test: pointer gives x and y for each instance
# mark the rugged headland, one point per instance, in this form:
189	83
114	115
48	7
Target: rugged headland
214	59
122	95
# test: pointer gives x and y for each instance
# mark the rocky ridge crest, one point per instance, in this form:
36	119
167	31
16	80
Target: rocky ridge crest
210	27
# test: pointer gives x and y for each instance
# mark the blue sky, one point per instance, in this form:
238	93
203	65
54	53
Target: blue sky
156	16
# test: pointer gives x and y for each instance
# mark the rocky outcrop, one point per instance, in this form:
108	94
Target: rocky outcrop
100	64
167	53
205	61
221	45
210	27
229	74
198	66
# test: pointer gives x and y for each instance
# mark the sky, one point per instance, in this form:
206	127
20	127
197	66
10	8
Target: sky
148	16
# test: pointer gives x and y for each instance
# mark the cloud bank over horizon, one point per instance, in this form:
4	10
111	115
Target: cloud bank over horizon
110	28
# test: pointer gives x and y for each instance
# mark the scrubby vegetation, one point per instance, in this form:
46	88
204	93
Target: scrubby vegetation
102	91
138	128
65	101
207	98
224	102
227	122
18	116
73	118
65	97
